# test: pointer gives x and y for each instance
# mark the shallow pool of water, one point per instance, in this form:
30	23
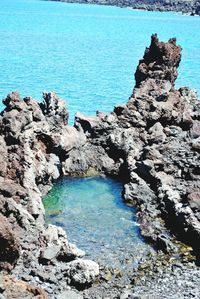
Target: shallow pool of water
92	212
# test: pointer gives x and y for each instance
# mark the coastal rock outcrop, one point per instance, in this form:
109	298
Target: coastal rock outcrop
34	140
152	143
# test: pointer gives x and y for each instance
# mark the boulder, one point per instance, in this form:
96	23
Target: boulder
82	273
57	247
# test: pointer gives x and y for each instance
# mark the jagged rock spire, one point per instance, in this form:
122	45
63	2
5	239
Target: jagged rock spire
160	61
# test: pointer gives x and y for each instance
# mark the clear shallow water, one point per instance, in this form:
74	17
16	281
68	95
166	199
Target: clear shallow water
87	54
95	218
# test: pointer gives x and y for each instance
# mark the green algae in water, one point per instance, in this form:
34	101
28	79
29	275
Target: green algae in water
92	212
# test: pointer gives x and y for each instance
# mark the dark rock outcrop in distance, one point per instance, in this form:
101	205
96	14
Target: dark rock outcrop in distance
152	143
191	7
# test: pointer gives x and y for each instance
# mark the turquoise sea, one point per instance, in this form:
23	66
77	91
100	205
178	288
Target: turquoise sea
86	53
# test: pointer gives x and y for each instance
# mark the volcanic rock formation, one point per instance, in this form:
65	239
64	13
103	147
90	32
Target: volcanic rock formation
34	141
152	143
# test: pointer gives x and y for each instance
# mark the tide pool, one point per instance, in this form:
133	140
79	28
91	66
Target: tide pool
92	212
86	53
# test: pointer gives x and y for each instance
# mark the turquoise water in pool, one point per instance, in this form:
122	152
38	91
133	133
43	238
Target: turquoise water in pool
92	212
86	53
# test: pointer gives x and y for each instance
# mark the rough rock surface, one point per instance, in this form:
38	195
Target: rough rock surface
152	143
81	273
9	245
11	289
160	62
34	140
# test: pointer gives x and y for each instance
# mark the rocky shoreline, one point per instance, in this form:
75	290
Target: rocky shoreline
191	7
152	143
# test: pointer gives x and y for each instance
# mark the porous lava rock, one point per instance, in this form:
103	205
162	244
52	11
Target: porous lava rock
160	62
9	245
13	289
152	143
34	140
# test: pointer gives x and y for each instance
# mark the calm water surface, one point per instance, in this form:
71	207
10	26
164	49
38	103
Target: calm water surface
94	216
87	54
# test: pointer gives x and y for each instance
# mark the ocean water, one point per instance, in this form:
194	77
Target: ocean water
92	212
86	53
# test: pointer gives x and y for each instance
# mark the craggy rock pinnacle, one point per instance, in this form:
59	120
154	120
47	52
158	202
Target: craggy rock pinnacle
152	143
54	109
160	62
